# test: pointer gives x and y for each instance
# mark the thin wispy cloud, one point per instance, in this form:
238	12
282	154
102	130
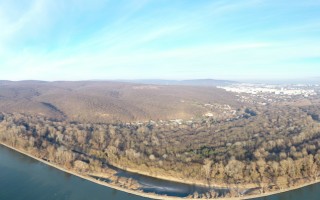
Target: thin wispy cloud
73	40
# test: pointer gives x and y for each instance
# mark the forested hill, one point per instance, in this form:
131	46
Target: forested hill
195	134
269	149
103	101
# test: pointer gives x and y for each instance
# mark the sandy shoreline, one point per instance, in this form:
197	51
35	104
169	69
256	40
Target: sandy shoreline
150	195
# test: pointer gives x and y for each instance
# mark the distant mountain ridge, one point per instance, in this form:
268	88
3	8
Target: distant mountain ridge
191	82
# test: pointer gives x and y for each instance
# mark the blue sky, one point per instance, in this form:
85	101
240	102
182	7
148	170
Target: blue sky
163	39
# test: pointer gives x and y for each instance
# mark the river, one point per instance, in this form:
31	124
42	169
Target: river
22	178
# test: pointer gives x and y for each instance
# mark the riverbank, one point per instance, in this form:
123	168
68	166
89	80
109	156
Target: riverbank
243	186
187	181
138	193
152	196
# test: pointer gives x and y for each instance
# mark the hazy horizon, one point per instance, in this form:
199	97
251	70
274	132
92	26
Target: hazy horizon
313	80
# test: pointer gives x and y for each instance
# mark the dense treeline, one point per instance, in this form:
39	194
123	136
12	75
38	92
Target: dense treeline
274	149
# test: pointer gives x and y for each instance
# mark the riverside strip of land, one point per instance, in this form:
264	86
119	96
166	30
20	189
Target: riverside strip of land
142	194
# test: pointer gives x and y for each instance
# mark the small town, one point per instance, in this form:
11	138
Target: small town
296	90
263	94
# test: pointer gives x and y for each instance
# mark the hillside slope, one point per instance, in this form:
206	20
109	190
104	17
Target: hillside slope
102	101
